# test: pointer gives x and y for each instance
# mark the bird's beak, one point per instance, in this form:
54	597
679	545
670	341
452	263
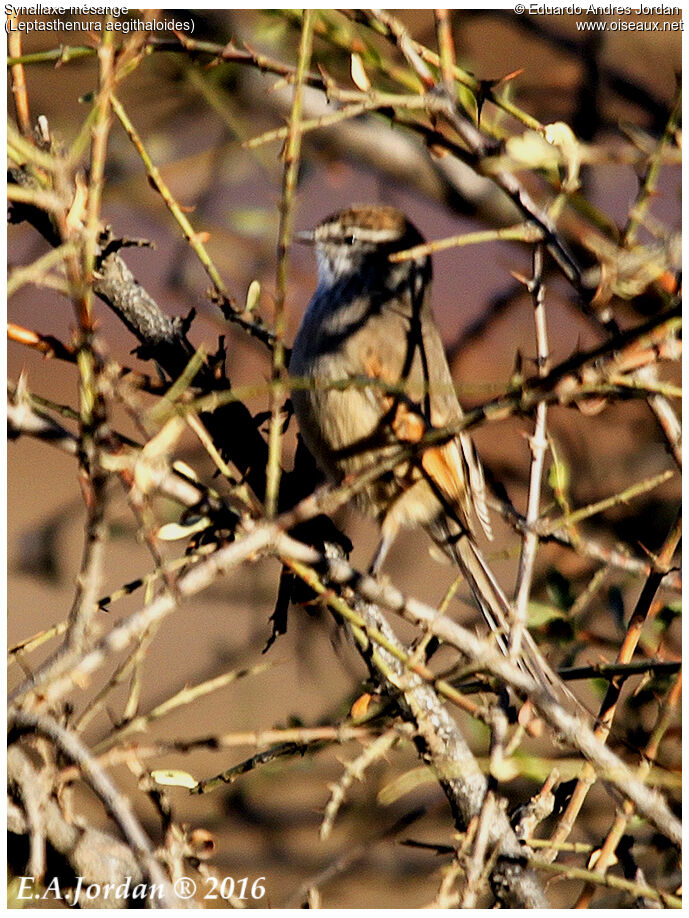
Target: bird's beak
307	237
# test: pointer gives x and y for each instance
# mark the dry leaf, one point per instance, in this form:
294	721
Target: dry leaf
561	135
361	706
77	212
173	778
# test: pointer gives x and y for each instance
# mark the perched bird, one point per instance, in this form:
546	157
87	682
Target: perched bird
370	322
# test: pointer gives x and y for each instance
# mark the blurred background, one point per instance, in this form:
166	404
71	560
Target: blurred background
195	114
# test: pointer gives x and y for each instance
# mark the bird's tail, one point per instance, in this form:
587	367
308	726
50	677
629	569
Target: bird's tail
496	609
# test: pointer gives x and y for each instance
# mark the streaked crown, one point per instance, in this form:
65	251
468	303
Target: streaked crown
368	224
357	238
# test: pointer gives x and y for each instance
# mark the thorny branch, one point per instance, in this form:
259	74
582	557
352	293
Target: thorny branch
115	803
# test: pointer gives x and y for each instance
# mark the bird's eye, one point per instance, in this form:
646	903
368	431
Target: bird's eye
350	239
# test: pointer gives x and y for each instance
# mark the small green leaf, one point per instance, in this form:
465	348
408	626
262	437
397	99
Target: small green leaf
468	101
669	612
559	589
558	476
540	613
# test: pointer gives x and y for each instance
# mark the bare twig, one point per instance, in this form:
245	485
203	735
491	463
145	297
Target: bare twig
446	47
607	850
476	861
538	444
612	882
186	696
21	99
194	238
85	848
571	727
669	423
298	737
114	802
354	771
649	182
609	705
289	186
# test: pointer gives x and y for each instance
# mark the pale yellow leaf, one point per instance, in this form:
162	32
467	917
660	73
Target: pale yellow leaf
359	75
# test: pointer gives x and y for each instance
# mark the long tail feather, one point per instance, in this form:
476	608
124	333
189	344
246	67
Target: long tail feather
496	610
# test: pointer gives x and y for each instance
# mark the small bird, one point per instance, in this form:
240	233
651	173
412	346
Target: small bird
370	322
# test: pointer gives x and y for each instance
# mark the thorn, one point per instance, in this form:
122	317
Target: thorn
520	278
509	76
